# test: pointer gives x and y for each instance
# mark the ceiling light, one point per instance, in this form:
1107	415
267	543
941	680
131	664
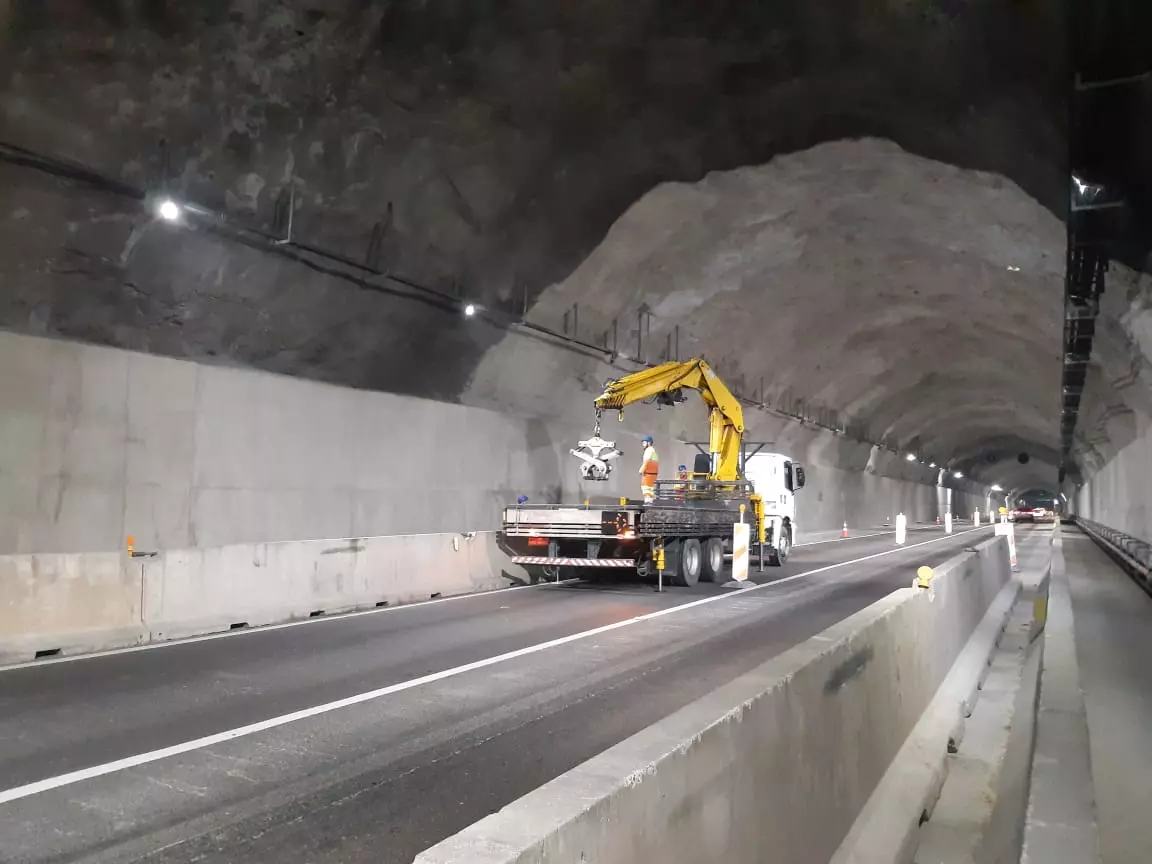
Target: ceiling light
997	488
1013	268
931	464
168	210
958	475
911	457
469	310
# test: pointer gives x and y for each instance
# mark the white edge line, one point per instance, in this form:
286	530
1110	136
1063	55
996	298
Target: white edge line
72	777
264	628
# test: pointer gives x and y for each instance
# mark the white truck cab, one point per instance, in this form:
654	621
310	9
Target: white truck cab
776	479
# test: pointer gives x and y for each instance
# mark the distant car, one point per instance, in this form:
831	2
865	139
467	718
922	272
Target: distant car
1020	515
1043	514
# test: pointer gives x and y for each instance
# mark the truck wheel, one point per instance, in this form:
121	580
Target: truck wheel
713	564
691	559
780	552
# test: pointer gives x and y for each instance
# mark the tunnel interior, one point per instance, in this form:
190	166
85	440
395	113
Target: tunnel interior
859	215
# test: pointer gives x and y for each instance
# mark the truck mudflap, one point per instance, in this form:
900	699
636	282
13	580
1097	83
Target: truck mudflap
574	562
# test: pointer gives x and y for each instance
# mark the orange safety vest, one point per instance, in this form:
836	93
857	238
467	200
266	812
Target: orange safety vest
651	467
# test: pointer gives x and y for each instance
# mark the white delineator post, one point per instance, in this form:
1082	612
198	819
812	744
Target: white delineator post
947	523
975	518
1009	530
741	533
901	529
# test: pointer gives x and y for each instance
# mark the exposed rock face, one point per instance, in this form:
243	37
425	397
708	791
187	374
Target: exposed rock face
491	144
853	275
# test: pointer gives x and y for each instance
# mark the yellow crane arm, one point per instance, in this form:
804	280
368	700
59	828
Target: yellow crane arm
664	383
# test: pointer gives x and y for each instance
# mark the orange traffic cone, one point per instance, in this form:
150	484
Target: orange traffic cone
937	520
844	530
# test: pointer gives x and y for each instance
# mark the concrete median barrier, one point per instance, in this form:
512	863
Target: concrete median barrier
204	590
775	766
71	604
65	603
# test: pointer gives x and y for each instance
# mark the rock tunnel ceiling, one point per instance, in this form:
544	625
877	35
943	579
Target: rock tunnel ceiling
487	148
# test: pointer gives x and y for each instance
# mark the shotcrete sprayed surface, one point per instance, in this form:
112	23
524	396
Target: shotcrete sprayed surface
914	297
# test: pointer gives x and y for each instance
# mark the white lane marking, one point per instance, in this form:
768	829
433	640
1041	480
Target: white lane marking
264	628
863	536
29	789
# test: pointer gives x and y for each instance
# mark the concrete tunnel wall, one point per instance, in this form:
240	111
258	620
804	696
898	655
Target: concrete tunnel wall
1114	435
100	443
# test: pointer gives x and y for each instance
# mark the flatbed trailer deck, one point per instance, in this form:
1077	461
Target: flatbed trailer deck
690	523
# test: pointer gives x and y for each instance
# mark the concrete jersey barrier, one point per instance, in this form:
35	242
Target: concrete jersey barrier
69	604
774	766
63	603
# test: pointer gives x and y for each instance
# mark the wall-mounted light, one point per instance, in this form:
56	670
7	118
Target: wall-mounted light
911	457
469	310
958	475
997	488
168	210
931	464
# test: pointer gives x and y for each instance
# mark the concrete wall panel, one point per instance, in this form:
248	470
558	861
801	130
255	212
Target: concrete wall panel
98	443
1116	494
190	591
84	602
87	602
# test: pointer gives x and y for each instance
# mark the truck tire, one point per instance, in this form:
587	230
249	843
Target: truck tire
712	569
781	549
691	556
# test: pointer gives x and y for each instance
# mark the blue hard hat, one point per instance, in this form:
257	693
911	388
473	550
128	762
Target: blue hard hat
647	438
523	499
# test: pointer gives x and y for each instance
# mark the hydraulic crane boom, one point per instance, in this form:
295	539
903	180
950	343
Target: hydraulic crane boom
664	383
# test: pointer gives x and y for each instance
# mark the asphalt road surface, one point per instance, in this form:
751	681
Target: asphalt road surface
373	736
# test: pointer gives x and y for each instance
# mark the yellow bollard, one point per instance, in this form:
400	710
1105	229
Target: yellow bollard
131	546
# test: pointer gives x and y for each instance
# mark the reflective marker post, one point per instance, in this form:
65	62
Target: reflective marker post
901	529
1007	529
948	523
741	533
975	518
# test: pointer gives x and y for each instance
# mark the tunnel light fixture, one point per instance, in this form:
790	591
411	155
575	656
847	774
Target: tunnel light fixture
1013	268
469	310
168	210
911	457
997	488
959	475
931	464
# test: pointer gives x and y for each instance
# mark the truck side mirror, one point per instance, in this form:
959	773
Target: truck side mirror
799	476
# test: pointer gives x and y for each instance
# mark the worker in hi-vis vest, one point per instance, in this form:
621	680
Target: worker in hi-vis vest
649	470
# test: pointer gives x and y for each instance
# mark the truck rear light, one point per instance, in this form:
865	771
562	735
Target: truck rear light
537	541
626	534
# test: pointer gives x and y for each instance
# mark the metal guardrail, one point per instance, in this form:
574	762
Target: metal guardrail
1131	553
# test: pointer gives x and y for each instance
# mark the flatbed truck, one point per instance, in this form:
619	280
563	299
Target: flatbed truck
686	531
